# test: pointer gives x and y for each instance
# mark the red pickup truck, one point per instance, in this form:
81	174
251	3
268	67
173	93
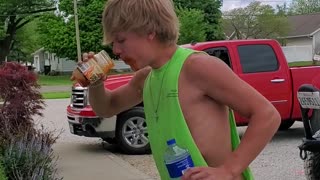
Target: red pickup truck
261	63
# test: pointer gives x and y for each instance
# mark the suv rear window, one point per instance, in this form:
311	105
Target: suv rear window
257	58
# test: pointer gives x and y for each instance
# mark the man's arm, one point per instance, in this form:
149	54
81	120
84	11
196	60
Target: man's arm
107	103
219	82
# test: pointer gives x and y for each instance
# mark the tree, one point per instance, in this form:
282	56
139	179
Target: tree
305	6
212	15
15	15
256	21
25	43
192	25
58	32
58	35
282	10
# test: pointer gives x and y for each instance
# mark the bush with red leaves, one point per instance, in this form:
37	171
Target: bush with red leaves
25	151
21	99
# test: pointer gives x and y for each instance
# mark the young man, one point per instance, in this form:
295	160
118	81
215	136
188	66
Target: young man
186	94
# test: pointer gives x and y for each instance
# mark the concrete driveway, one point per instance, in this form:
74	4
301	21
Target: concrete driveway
81	157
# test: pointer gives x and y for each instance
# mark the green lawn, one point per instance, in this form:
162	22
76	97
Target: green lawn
54	80
301	63
56	95
61	80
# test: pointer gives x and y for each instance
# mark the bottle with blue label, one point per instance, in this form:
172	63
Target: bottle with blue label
177	160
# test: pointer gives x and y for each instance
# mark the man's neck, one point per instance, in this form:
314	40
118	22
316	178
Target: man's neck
163	55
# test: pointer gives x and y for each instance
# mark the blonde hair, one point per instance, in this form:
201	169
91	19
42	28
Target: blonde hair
141	17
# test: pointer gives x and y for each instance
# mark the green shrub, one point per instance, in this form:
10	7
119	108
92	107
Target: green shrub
2	173
30	158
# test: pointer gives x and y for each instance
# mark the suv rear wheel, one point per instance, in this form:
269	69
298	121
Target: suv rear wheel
131	132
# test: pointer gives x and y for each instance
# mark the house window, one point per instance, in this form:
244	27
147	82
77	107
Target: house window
47	59
46	55
36	63
257	58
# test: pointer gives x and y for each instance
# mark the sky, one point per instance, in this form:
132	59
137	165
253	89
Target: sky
231	4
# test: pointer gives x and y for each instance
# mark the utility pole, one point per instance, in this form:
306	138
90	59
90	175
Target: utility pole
77	30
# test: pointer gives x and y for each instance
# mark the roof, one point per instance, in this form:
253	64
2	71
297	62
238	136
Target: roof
37	51
304	25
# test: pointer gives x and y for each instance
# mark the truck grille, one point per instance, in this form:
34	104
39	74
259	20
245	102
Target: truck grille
79	97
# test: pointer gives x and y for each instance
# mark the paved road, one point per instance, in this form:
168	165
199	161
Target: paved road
63	88
278	161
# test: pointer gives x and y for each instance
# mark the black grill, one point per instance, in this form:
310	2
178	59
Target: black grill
77	128
71	118
78	99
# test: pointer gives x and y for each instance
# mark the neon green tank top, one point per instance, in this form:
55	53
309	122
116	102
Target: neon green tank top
164	116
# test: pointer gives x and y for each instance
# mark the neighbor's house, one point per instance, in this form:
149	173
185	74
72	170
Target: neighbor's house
303	39
304	30
44	61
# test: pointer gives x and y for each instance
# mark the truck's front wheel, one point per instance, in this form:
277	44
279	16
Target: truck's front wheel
131	132
285	125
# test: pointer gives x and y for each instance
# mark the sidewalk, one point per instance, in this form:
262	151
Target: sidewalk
81	159
63	88
88	161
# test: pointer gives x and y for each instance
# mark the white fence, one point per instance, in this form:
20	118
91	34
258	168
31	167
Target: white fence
297	53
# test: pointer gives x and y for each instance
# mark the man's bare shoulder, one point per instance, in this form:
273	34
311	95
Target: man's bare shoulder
200	66
139	77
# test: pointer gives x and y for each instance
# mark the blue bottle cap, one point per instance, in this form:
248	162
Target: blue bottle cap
171	142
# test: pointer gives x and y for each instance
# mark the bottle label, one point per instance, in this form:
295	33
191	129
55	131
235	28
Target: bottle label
96	67
91	70
178	168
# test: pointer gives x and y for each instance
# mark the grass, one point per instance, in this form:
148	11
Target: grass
301	63
56	95
62	80
54	80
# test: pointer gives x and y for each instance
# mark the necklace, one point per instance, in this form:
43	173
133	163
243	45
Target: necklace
155	106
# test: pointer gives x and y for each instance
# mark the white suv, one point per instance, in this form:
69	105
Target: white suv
128	129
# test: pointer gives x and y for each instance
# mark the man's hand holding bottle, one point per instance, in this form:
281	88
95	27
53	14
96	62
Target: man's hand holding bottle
94	67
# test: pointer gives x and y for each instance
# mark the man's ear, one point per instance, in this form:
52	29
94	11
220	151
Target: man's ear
151	36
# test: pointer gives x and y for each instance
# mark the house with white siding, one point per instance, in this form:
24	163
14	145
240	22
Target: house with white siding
303	40
44	60
304	31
